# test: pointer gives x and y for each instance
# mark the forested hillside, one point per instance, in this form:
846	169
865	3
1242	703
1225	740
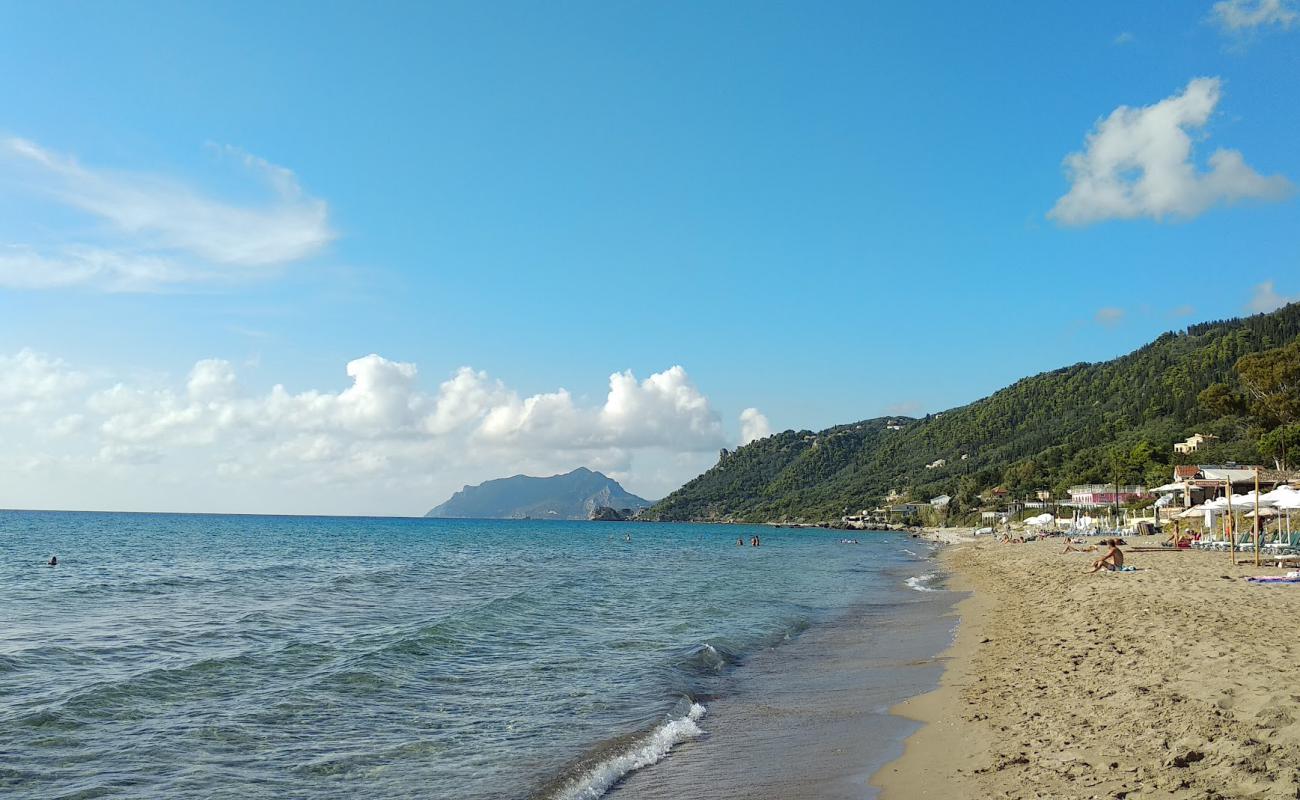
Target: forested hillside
1089	423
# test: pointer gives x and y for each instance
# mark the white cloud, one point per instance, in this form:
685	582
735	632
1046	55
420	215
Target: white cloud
1124	37
1245	15
382	433
753	426
30	382
156	231
1265	299
1138	163
1109	316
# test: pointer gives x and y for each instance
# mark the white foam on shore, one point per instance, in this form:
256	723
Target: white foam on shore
648	750
921	583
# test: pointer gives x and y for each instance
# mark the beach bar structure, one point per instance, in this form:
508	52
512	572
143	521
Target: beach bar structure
1200	484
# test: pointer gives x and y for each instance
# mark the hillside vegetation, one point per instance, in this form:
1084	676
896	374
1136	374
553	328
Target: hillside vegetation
1110	421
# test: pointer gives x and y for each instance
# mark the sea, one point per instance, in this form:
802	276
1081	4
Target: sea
211	656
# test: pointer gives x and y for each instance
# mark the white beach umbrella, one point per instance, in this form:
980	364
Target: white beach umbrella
1246	500
1288	503
1264	511
1282	492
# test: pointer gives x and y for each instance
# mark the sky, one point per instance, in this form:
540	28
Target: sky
345	259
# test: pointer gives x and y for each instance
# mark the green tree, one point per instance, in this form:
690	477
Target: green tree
1272	382
1219	400
1282	444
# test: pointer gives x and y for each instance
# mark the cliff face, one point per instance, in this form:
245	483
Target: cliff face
574	495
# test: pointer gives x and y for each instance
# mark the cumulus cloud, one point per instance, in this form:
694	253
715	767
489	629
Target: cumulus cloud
30	382
1265	299
382	428
1245	15
1109	316
1137	162
753	426
1124	37
157	231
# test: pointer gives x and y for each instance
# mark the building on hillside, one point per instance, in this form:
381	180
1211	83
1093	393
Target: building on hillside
906	509
941	502
1193	443
894	425
1095	495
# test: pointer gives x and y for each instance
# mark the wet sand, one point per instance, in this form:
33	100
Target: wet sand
811	718
1179	681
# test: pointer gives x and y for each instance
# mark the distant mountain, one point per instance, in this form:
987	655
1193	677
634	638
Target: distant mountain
1236	381
574	495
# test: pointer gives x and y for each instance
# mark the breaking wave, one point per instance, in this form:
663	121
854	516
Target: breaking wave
924	583
594	781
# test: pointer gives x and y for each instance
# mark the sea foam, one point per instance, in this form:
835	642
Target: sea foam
642	752
921	583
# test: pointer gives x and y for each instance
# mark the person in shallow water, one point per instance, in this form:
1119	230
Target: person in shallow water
53	562
740	541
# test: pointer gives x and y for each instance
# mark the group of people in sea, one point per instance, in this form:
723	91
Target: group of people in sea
754	541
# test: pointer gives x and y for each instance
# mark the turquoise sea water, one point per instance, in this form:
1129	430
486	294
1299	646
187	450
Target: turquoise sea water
195	656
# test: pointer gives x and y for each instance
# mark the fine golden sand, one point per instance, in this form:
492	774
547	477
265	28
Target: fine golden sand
1179	681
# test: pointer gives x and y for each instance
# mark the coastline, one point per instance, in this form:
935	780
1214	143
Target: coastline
1176	681
930	765
810	719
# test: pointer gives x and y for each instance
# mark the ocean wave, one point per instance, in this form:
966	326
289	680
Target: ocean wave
709	659
642	752
923	583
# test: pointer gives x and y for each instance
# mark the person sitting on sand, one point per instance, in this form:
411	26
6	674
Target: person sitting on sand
1113	561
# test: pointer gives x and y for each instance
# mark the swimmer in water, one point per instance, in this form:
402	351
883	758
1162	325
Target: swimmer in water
740	541
53	562
627	538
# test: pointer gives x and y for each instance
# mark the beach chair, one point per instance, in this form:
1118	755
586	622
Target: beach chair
1286	544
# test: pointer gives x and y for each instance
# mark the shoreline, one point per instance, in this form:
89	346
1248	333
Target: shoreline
810	719
925	767
1177	681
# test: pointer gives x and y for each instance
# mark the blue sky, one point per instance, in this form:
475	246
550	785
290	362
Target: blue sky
823	211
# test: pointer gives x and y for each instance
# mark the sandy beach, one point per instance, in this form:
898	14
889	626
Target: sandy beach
1178	681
